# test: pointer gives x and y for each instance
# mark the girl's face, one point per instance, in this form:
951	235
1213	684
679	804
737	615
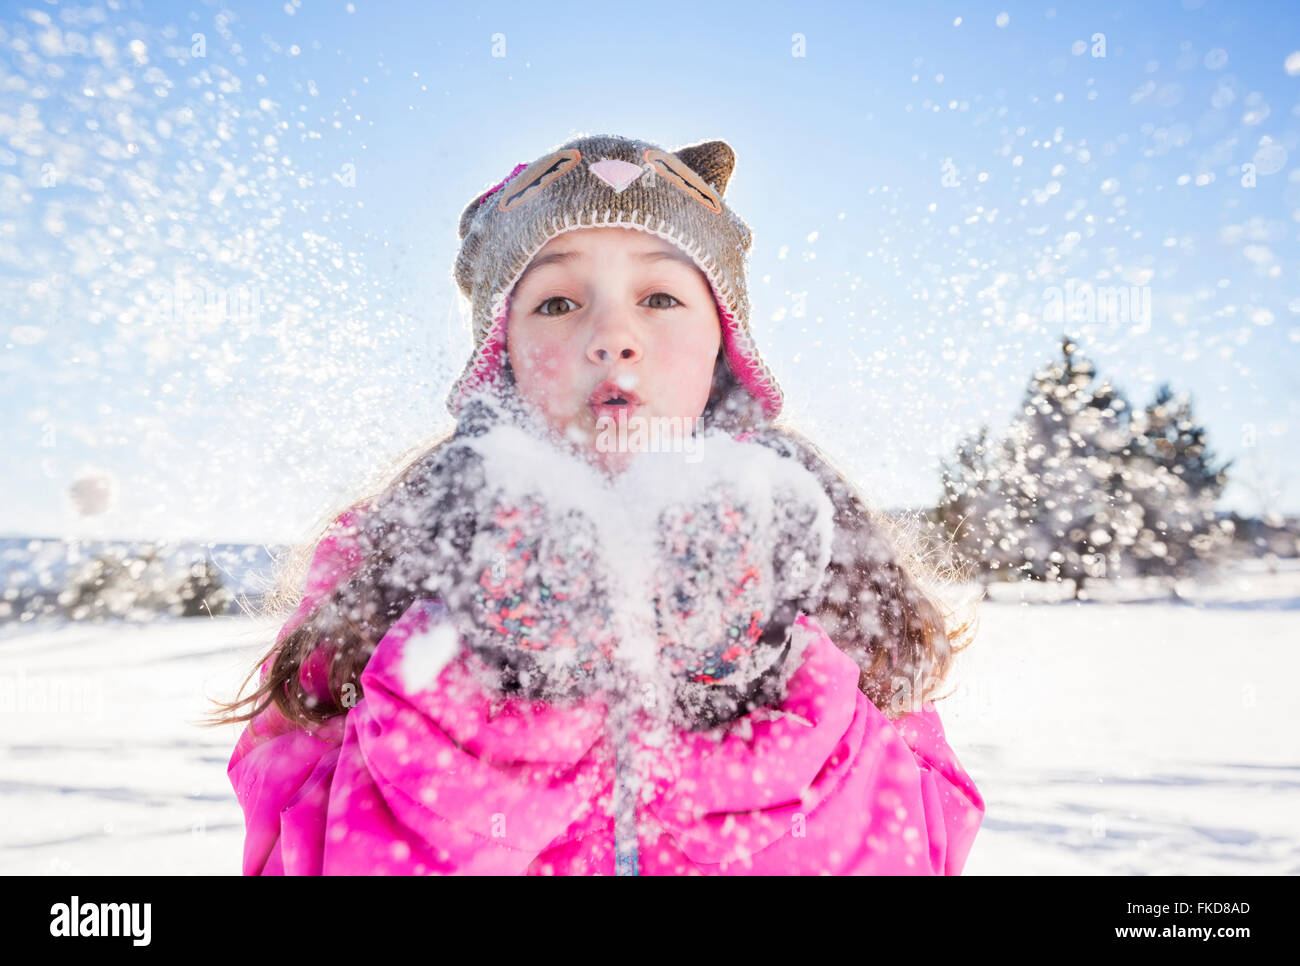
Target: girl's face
617	305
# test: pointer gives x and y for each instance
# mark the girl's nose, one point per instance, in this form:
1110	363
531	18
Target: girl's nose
599	353
613	342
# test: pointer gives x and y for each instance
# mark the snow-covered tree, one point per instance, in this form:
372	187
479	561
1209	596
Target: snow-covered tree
962	513
1081	487
139	583
1173	479
117	582
1060	516
202	593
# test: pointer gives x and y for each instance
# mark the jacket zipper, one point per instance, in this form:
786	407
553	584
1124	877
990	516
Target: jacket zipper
625	795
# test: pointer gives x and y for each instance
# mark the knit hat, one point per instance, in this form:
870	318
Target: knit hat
608	181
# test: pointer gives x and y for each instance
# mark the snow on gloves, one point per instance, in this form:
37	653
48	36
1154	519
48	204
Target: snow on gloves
733	574
532	601
563	581
522	581
737	561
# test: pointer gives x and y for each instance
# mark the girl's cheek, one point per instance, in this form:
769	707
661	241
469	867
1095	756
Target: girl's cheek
694	395
550	378
691	376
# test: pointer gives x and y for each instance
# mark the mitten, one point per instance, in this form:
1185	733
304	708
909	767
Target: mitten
517	575
528	589
529	598
736	565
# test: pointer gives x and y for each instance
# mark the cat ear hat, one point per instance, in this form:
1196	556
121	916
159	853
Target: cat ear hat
607	181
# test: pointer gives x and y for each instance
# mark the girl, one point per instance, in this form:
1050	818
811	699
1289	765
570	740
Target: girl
621	620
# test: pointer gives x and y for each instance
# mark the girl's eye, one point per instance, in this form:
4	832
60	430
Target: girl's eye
667	296
554	298
560	298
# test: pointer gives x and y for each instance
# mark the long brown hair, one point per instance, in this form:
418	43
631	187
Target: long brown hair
875	605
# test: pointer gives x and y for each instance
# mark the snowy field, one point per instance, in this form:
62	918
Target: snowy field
1124	735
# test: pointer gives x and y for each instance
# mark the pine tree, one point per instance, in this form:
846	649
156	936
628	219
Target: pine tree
122	581
201	593
1044	501
1177	485
1080	487
1065	471
960	511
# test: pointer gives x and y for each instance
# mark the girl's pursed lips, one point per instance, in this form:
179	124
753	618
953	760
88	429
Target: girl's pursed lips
609	389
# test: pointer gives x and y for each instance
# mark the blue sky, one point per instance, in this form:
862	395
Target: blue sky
918	177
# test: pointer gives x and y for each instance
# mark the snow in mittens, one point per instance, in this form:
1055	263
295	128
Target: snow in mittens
594	559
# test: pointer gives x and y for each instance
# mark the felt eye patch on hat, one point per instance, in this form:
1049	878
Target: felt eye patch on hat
536	177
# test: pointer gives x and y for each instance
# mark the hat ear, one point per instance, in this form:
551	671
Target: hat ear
711	160
467	216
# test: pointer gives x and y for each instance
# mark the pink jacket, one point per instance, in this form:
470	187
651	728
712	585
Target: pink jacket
450	779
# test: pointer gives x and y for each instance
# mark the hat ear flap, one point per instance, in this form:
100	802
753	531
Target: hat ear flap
711	160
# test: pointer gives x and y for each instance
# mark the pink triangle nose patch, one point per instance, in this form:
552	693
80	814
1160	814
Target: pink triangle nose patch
617	174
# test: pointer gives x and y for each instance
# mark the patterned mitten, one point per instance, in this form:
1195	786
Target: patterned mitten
530	599
735	568
528	591
518	576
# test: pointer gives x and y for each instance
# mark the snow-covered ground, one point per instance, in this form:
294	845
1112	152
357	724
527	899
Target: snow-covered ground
1123	735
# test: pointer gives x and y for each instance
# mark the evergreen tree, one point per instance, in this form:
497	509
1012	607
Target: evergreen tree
121	582
1069	520
1176	484
1080	487
961	510
201	593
